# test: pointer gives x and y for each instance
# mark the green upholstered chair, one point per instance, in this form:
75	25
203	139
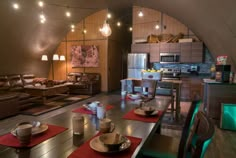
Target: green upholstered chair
170	147
228	116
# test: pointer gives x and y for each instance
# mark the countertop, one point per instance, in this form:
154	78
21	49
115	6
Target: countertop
174	81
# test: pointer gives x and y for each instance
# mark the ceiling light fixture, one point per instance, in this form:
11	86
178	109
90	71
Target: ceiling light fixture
118	23
40	4
140	14
157	25
130	29
109	15
16	6
42	18
106	30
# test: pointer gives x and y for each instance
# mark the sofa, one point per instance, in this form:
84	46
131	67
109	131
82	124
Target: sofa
84	83
13	85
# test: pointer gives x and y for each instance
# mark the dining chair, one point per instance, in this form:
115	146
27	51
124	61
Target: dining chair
166	146
167	89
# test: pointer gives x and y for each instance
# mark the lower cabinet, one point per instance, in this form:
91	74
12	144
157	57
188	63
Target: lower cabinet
191	88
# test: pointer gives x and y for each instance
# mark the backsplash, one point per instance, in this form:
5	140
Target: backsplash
204	67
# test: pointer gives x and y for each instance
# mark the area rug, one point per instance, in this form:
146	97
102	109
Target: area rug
40	108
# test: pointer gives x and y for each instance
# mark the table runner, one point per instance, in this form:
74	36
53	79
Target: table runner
11	141
83	110
85	151
150	119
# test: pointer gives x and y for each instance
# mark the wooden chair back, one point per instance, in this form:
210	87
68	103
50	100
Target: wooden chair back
200	136
194	108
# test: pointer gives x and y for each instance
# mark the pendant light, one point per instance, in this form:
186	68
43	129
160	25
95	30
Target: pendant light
106	30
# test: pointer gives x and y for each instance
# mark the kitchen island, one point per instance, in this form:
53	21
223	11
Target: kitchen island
126	85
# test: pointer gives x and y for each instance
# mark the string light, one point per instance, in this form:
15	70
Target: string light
130	29
68	14
157	25
42	18
118	24
15	5
140	14
40	4
109	15
84	31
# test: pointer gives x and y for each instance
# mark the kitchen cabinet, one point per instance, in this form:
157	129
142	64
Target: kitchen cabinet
164	47
191	88
155	52
140	48
174	48
191	52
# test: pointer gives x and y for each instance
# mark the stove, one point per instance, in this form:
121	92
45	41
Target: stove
171	73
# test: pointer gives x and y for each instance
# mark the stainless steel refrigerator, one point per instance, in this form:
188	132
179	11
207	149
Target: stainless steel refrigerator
137	62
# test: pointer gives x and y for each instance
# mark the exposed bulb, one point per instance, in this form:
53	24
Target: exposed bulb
109	15
118	23
72	30
15	6
68	14
157	26
41	4
140	14
72	26
106	30
84	31
130	29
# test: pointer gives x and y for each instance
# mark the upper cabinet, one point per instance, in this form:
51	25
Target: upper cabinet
140	48
154	52
191	52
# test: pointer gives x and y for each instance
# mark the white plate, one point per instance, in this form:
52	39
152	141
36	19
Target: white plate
35	130
141	112
98	146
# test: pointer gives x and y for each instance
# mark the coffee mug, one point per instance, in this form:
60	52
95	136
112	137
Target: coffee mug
24	133
106	125
101	111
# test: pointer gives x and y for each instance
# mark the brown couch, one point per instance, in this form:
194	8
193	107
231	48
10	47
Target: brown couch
84	83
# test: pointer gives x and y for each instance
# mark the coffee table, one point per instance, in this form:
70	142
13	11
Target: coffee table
44	92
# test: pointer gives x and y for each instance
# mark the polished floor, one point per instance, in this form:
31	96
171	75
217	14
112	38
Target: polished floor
222	146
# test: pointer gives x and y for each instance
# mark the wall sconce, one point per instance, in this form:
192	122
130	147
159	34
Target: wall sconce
106	30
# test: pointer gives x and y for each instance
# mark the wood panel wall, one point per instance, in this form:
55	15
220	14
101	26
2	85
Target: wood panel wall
110	60
144	26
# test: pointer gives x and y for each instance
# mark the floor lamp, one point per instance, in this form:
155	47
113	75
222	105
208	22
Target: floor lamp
55	57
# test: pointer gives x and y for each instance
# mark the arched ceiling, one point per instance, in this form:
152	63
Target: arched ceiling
24	39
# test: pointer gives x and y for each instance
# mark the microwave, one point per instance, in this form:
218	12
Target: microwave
169	58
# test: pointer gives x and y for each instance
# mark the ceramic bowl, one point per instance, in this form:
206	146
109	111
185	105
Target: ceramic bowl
134	96
148	110
113	141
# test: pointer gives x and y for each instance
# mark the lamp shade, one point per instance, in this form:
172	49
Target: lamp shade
55	57
44	58
62	58
106	30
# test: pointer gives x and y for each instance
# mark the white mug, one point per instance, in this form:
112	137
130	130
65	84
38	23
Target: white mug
101	111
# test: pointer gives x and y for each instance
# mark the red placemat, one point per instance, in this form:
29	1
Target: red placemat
11	141
151	119
83	110
86	151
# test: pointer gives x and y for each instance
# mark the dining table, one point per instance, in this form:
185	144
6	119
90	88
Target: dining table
65	144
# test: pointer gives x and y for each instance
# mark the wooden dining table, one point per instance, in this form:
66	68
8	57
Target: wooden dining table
63	144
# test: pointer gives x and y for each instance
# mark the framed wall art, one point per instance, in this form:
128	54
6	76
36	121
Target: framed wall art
84	56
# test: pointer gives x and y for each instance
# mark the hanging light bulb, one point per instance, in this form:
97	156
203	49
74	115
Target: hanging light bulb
106	30
42	18
130	29
84	31
16	6
72	30
118	24
157	25
140	14
40	4
68	14
72	26
108	15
